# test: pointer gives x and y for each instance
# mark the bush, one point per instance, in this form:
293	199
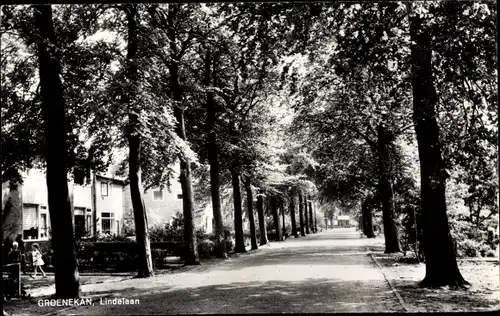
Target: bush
173	232
206	248
229	244
491	254
159	257
483	249
468	248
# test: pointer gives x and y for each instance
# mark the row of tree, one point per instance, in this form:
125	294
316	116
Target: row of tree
141	90
397	78
290	100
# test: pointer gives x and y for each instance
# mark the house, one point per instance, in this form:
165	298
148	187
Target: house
99	203
161	203
343	220
25	208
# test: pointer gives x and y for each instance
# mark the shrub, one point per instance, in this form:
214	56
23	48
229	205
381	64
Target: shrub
206	248
248	241
483	249
159	257
491	254
229	244
468	248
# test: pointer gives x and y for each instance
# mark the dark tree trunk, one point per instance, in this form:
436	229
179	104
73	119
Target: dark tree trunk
192	257
67	278
251	219
311	219
306	215
292	215
301	215
282	207
262	220
440	261
386	192
213	160
145	266
238	223
315	219
276	218
94	203
367	220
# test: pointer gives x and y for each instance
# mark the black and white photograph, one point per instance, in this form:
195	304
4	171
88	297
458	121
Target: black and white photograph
249	157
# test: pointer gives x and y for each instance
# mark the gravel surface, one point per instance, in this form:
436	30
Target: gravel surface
482	295
329	271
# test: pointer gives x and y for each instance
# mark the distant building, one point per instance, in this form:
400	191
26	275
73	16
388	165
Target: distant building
343	220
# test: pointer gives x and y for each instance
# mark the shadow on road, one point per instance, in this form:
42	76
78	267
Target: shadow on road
310	295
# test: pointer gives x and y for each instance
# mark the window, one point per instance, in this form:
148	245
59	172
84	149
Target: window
107	223
44	227
179	196
35	222
79	219
158	195
104	189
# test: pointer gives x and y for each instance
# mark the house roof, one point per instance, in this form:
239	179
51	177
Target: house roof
121	181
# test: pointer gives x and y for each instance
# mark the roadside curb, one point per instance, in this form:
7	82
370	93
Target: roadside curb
393	288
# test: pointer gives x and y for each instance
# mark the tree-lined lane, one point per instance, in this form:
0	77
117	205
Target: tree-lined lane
325	272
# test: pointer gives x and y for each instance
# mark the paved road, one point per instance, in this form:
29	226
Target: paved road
324	272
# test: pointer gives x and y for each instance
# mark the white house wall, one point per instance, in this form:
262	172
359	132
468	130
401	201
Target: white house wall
113	203
34	188
82	196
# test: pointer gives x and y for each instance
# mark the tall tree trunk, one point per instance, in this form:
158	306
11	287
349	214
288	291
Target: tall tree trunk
282	207
238	223
213	160
94	203
361	225
192	257
367	219
440	261
292	215
315	219
145	266
311	220
251	218
306	215
262	220
386	192
276	218
67	278
301	215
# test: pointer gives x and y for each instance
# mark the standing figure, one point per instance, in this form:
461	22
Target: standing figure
14	254
37	258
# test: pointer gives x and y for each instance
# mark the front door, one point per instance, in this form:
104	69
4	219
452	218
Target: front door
79	226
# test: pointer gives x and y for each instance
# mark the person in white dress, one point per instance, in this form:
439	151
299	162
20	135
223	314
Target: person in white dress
37	259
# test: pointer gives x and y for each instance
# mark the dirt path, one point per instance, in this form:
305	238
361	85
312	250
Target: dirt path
324	272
